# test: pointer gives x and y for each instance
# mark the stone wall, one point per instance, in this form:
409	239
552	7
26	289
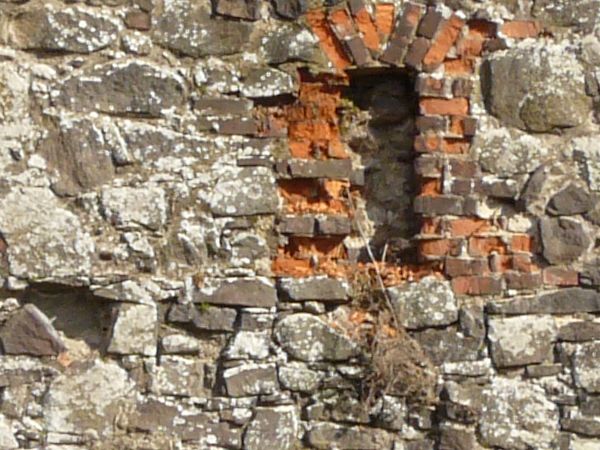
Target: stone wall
210	212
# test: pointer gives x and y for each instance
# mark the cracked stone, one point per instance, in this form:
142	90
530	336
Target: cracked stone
134	330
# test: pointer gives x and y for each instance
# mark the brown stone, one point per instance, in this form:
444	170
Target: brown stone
29	332
138	20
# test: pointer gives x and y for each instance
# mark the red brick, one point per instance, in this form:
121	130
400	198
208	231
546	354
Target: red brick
444	41
522	243
484	246
444	107
522	263
467	226
438	247
521	281
482	27
431	86
426	143
430	23
558	276
476	285
384	18
520	29
459	67
455	267
500	263
341	23
416	52
364	23
327	40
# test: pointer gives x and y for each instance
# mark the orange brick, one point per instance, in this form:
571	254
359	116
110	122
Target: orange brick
520	29
474	285
461	66
431	187
336	149
444	41
455	146
521	243
483	246
327	40
522	263
384	18
467	227
291	267
309	130
300	149
501	263
558	276
470	46
365	25
444	107
431	225
438	247
483	28
341	22
426	143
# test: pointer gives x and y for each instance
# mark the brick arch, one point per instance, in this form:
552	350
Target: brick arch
478	253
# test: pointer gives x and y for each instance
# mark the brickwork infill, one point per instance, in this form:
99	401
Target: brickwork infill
479	254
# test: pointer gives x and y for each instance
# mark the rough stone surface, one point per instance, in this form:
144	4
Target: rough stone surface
565	301
318	288
307	338
430	302
177	375
73	29
272	428
251	379
536	87
52	244
253	292
129	207
517	415
134	330
564	240
70	406
244	192
186	27
517	341
585	366
570	201
123	87
351	438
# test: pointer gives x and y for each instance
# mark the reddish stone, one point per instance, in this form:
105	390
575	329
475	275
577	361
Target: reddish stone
477	285
558	276
444	107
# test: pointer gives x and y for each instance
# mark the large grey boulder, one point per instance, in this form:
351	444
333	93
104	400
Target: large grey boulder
517	416
536	87
45	240
521	340
72	405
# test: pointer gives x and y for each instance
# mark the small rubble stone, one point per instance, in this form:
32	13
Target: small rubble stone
135	207
517	341
517	415
449	345
267	83
323	289
204	318
177	375
322	434
308	338
29	332
290	9
134	330
272	428
334	225
570	201
586	366
242	9
429	302
579	331
252	292
251	379
564	301
296	376
186	27
244	192
248	345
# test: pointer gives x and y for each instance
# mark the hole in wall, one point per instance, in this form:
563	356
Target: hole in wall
378	124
